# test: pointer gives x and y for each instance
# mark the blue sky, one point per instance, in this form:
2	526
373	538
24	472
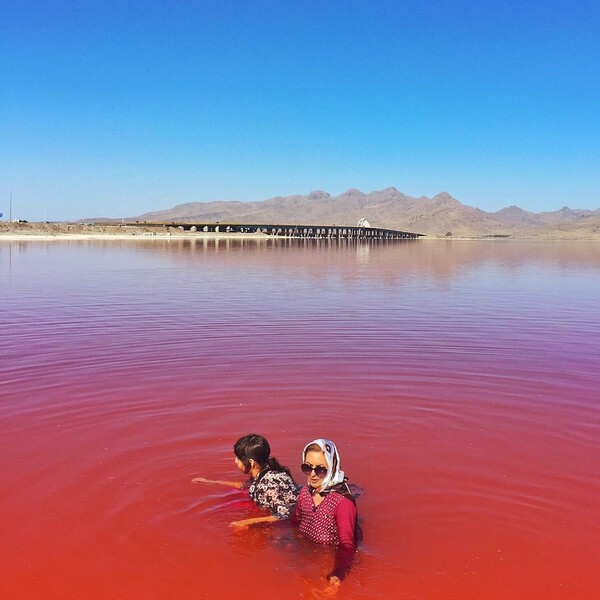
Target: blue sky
117	108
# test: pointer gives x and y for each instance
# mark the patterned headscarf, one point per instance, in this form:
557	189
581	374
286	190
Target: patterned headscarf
334	475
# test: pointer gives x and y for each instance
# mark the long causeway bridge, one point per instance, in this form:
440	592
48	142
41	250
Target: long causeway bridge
290	231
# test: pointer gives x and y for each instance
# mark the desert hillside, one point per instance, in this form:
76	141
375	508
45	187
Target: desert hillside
392	209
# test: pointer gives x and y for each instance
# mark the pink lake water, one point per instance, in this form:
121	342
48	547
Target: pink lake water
460	380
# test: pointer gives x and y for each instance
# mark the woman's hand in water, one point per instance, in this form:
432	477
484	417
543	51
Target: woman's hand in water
329	590
203	480
332	587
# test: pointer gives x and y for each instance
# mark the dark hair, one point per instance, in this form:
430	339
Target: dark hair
256	447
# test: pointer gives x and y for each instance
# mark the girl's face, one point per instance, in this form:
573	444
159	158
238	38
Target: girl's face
315	459
239	464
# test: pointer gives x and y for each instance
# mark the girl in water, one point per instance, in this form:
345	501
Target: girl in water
326	510
270	486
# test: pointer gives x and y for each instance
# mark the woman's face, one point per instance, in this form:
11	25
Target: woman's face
315	459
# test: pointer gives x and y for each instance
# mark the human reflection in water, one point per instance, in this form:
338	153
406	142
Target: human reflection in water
270	486
326	509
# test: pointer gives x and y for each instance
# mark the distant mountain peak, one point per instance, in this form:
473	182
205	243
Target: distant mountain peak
319	195
445	198
512	209
353	192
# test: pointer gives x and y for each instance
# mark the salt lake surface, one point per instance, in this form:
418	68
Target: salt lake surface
460	381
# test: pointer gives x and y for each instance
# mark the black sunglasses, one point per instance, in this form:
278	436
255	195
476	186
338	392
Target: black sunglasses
320	470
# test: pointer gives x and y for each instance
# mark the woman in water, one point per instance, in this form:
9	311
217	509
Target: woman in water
326	510
270	486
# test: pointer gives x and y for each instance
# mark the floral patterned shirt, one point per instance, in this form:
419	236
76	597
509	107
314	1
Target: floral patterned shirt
276	492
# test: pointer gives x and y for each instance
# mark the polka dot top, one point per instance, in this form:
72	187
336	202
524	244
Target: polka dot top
332	522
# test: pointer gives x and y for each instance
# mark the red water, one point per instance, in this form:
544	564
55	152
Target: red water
460	381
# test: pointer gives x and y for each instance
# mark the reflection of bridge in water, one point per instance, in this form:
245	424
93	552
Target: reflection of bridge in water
290	231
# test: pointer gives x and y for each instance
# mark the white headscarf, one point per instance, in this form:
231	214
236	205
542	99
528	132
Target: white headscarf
334	475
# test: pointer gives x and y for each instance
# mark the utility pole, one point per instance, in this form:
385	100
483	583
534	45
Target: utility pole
10	207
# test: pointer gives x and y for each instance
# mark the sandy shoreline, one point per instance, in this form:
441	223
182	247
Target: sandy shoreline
77	231
15	237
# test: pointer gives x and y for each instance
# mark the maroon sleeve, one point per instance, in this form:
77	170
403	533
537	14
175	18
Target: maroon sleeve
296	515
345	517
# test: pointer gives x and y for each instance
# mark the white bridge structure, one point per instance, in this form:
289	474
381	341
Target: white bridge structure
361	232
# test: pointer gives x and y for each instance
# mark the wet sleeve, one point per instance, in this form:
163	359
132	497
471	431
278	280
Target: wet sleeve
345	517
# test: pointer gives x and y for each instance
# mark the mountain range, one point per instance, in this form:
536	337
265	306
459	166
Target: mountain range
437	216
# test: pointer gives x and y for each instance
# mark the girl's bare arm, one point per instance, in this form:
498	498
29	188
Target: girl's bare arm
253	521
234	484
